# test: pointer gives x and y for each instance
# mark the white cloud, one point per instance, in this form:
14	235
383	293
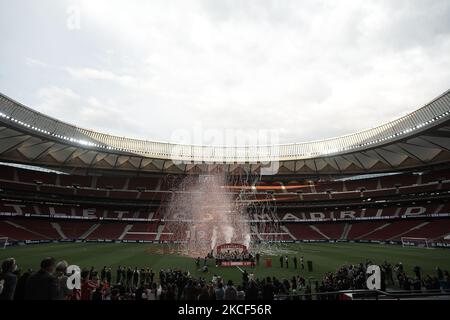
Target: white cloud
55	100
308	69
89	112
94	74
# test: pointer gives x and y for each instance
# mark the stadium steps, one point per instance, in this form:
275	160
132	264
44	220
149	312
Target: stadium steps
445	236
439	208
127	183
58	229
347	228
89	231
158	186
160	230
26	229
16	175
8	238
285	229
409	230
36	209
254	231
376	229
319	232
128	227
94	182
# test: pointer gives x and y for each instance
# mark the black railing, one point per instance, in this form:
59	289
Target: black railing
367	295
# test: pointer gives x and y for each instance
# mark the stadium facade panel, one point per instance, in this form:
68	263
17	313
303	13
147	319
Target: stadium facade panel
421	138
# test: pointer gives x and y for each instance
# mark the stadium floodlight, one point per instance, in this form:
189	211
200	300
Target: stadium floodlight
3	242
415	242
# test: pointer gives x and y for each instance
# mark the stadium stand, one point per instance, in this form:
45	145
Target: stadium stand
118	189
88	197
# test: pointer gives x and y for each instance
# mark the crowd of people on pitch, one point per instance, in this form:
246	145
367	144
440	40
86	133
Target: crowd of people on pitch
417	282
353	277
284	262
234	255
50	283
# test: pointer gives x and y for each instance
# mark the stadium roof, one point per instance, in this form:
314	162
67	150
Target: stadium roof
418	139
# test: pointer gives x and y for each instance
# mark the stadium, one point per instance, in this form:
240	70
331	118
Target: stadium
222	158
98	200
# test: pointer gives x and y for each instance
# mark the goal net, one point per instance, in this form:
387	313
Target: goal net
415	242
3	242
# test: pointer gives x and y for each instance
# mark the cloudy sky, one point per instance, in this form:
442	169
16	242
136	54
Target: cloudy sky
193	71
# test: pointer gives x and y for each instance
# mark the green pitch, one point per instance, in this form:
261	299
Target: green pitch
325	257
